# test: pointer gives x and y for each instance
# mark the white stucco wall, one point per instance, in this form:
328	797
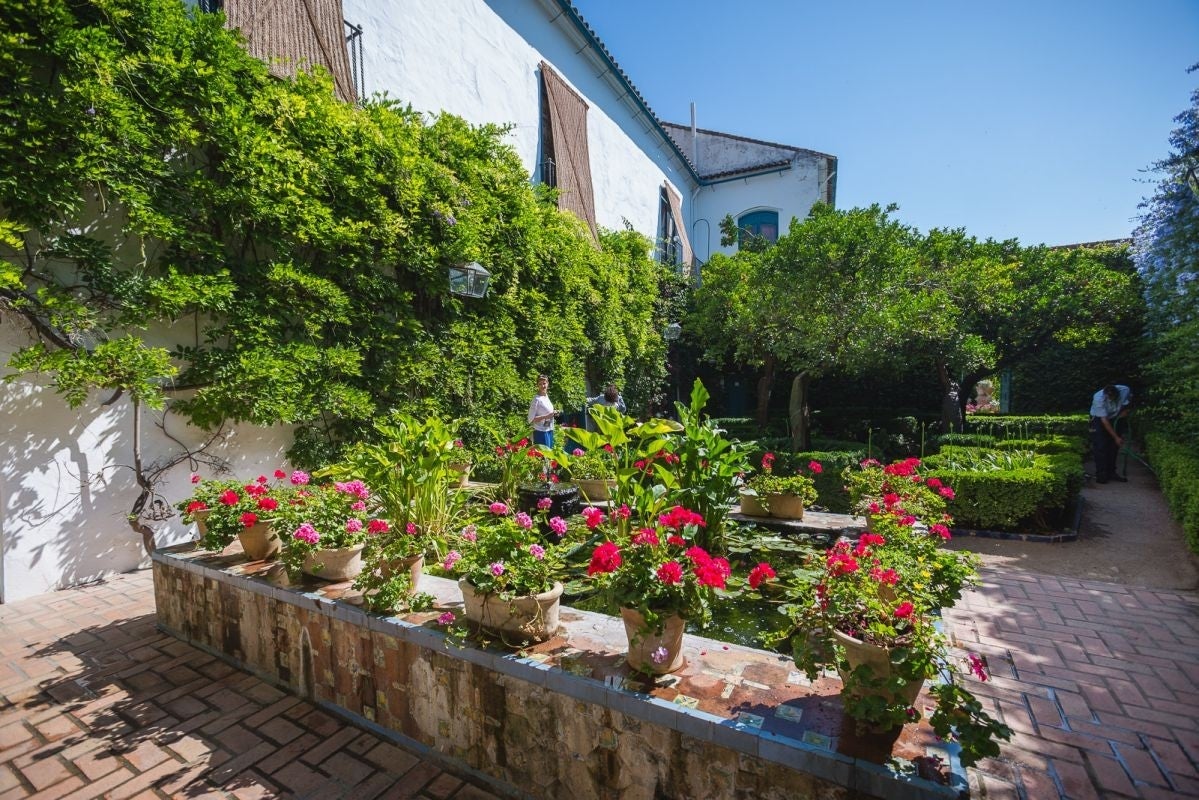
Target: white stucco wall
791	193
63	495
478	59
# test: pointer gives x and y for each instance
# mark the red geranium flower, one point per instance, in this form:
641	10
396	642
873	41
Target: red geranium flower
670	573
268	503
762	572
605	558
904	610
249	518
229	497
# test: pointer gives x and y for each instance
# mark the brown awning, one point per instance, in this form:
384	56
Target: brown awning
676	211
293	34
568	145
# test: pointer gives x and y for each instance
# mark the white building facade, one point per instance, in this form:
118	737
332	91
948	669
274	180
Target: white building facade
534	65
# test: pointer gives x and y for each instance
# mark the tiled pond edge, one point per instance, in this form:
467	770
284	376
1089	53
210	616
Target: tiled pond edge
479	711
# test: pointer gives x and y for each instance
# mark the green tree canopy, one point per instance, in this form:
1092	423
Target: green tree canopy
157	185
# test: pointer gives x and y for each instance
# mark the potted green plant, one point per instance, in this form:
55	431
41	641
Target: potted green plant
659	578
461	460
508	574
867	609
594	472
782	496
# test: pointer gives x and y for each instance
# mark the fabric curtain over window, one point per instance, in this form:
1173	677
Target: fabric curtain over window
568	137
676	211
293	34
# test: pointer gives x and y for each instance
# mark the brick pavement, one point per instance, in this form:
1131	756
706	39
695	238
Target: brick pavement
95	702
1099	681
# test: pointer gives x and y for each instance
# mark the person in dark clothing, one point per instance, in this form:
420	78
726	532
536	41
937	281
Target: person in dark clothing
1109	406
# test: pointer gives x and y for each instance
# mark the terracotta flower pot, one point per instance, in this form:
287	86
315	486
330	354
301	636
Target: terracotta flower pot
649	652
785	506
463	470
413	565
751	505
595	490
878	658
531	617
200	517
335	564
259	541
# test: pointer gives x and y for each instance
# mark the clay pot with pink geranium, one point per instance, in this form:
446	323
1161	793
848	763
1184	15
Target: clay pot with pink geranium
510	573
325	528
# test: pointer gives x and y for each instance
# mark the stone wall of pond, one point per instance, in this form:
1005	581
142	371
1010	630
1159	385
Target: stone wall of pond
511	719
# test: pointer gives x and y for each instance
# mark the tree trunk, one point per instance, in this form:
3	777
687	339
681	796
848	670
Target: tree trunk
800	420
952	407
765	385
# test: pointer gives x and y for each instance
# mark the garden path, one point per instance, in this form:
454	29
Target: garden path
96	702
1127	536
1094	649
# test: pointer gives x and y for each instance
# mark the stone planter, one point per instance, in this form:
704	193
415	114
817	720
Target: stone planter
463	470
335	564
528	618
650	652
596	490
785	506
878	658
752	506
413	565
259	541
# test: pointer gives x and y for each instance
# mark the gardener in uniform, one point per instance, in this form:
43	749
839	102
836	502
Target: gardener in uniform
1108	406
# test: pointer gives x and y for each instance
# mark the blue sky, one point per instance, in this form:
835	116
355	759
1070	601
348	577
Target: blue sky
1033	120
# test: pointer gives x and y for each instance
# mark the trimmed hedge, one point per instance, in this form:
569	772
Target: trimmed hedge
1033	498
1015	426
1177	467
1040	444
1075	445
965	440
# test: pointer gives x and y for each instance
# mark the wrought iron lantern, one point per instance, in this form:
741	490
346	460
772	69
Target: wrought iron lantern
469	280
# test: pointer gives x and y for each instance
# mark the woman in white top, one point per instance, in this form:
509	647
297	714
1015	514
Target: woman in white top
541	414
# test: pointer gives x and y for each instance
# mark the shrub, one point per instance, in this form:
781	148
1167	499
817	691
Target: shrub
1177	466
1024	427
1075	445
965	440
1035	497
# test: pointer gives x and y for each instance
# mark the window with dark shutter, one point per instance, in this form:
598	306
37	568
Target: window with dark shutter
566	159
294	34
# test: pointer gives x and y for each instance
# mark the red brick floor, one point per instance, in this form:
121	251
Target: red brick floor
1099	681
94	702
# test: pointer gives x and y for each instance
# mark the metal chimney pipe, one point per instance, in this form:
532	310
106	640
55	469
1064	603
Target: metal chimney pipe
694	141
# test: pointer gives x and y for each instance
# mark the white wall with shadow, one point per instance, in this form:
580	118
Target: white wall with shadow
67	484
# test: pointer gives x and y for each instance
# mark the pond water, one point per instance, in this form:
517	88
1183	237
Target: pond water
736	619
